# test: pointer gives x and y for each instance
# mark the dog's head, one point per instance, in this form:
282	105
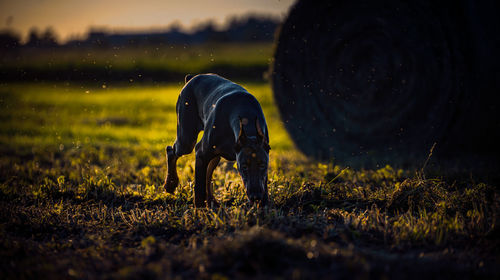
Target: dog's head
252	157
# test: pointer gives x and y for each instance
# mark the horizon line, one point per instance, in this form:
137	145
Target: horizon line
109	29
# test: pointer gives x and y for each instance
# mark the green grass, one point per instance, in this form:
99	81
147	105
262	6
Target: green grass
138	116
81	170
177	58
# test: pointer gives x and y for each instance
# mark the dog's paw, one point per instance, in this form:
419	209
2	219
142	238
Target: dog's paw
199	203
171	183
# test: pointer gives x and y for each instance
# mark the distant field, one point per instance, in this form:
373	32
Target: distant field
81	169
137	63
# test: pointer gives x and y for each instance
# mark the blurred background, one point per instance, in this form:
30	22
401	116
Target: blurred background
136	40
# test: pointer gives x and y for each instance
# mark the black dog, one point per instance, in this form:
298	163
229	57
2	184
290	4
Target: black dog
234	128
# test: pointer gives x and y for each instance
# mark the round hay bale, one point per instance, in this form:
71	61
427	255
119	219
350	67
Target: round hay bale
379	82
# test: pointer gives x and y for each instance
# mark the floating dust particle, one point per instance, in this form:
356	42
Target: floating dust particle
314	243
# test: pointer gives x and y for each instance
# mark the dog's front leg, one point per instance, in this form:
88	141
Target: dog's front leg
210	170
200	179
172	180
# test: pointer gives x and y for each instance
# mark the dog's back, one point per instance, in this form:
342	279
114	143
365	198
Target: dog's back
208	101
209	88
188	77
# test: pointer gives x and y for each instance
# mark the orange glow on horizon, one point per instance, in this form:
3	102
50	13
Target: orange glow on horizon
73	18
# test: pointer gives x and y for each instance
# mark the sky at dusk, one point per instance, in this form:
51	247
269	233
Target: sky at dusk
72	18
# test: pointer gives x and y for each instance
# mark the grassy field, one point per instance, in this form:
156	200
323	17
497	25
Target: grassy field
182	58
136	63
81	170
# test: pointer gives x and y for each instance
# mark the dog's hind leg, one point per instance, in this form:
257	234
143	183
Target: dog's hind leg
210	170
189	126
189	123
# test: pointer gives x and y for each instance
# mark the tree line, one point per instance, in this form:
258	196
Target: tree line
251	28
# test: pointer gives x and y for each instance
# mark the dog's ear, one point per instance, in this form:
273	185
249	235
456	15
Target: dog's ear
260	134
261	137
242	138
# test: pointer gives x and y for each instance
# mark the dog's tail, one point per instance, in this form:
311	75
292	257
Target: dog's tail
188	77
